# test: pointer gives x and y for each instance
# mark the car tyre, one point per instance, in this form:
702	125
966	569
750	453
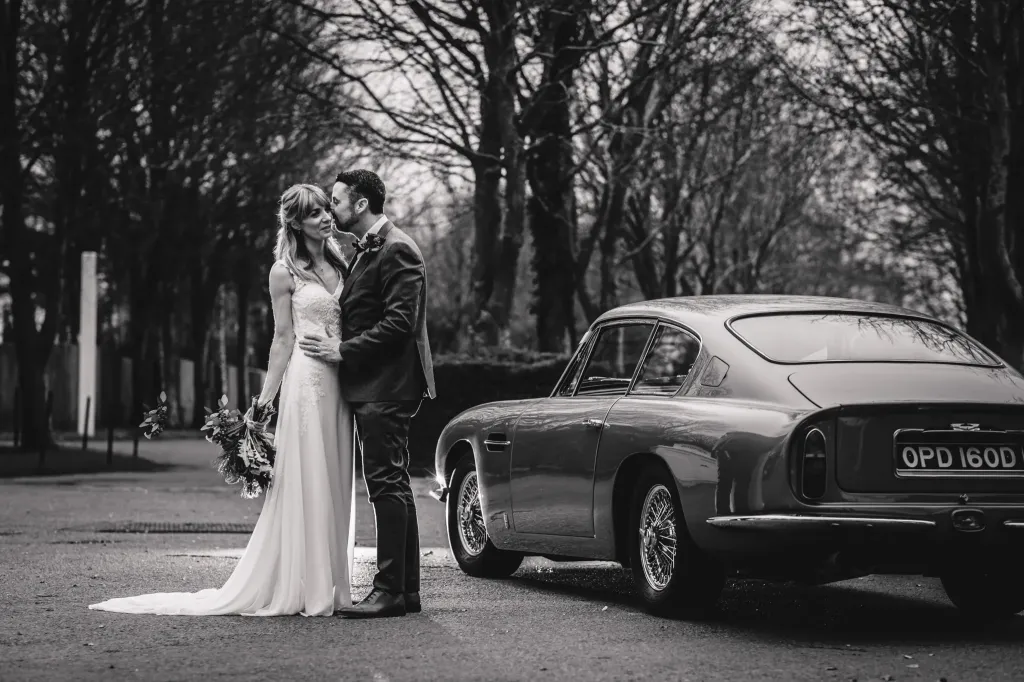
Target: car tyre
686	582
474	552
984	594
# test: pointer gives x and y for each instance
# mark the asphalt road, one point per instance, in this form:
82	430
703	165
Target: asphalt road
548	622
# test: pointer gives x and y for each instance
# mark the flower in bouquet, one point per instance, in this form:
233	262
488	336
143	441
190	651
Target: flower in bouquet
247	450
155	419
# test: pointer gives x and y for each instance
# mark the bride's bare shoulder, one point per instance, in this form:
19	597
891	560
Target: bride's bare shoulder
281	278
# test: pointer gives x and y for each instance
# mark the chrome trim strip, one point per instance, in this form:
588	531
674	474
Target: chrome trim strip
1015	525
937	473
790	521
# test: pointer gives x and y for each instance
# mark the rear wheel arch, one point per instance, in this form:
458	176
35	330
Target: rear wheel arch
622	497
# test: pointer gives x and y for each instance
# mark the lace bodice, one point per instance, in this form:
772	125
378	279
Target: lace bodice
314	309
308	381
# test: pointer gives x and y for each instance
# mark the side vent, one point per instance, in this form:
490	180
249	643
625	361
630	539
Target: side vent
813	465
496	442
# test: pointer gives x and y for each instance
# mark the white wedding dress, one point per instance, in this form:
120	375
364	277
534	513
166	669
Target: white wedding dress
299	556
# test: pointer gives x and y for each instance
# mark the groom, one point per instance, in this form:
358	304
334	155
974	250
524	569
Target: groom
386	371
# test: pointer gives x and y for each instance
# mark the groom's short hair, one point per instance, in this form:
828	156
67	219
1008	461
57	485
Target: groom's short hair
366	184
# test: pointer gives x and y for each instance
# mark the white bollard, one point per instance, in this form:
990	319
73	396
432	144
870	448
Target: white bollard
87	345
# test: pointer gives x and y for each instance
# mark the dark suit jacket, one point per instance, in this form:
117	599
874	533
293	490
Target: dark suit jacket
385	355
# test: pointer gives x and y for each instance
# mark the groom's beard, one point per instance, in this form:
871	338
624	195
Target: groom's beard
340	225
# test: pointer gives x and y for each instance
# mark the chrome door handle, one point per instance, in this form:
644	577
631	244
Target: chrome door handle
594	423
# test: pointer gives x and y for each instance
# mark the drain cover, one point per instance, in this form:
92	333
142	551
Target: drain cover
171	527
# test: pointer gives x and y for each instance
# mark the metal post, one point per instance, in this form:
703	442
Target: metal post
85	432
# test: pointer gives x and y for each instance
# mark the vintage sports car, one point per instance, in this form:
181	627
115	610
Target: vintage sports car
777	437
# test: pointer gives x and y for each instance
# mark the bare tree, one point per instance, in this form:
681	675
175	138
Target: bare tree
53	54
934	88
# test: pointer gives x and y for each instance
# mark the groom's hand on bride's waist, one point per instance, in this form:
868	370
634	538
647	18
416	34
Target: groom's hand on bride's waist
325	349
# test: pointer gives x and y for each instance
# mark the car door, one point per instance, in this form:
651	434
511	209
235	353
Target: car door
652	417
555	448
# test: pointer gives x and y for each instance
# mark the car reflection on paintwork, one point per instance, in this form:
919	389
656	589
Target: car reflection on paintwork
778	437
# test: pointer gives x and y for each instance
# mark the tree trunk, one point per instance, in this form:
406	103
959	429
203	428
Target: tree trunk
486	223
996	34
199	307
17	241
511	243
500	93
221	332
549	169
138	324
242	284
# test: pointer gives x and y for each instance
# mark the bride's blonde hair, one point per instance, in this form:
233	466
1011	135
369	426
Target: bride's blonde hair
297	202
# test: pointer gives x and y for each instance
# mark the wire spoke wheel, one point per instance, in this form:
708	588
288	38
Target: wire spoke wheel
472	531
657	537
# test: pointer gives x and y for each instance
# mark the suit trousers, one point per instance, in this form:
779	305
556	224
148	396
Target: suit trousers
383	429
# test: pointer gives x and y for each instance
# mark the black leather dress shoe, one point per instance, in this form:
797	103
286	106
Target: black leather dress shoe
377	604
412	602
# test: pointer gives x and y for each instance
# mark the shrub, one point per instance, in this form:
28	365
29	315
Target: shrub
463	382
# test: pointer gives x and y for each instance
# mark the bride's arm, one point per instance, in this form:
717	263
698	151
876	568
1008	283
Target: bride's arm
281	288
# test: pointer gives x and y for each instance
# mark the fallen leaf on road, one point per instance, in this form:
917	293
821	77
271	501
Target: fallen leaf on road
605	608
89	644
908	656
831	667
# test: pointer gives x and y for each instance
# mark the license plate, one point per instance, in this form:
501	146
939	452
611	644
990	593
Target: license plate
958	454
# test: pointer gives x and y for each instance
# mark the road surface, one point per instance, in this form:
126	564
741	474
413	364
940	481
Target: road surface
548	622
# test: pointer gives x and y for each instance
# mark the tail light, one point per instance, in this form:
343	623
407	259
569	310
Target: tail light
813	467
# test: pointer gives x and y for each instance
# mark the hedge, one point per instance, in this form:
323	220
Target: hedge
463	382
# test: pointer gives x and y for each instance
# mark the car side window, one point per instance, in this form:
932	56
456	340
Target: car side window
575	369
669	361
613	361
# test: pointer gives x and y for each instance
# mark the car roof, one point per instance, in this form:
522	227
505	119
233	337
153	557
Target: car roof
698	312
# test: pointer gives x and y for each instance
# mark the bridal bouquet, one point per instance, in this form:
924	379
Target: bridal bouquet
246	449
156	418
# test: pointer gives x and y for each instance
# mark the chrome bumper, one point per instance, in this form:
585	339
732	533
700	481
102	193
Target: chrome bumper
773	522
441	494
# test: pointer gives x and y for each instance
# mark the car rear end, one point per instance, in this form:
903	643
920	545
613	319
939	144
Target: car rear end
913	461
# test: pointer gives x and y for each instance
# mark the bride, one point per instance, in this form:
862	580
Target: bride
299	556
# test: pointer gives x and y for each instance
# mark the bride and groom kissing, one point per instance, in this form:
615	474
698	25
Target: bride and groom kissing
350	350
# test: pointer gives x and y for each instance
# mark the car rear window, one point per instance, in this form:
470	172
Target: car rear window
801	338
